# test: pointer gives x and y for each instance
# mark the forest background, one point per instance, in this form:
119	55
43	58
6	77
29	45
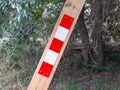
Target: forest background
93	50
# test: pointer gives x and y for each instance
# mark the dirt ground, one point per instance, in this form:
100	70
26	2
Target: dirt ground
80	79
84	80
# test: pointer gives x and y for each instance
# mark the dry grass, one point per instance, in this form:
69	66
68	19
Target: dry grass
64	79
8	78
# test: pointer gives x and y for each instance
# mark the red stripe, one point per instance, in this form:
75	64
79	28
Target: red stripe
45	69
56	45
67	21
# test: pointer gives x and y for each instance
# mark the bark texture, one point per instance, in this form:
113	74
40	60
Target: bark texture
97	51
92	52
84	36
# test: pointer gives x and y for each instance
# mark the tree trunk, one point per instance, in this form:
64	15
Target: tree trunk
97	51
84	36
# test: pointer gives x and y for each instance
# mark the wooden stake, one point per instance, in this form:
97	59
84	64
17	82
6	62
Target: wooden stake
56	45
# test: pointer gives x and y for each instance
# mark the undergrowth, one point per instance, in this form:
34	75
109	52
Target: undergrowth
71	68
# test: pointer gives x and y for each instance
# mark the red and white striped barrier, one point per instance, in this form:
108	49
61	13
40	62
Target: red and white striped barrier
56	45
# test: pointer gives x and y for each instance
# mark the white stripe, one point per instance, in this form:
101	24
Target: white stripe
61	33
51	57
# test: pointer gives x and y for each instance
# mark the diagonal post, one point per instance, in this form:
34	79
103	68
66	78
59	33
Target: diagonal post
56	45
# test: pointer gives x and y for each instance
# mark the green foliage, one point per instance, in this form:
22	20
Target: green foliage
26	22
99	85
76	61
113	57
112	19
95	68
28	25
72	85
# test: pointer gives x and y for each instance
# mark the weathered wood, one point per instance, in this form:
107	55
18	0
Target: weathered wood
73	9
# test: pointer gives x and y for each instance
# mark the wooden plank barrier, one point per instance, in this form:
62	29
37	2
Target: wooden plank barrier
56	45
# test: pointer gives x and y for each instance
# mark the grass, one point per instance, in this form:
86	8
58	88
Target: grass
70	75
80	79
65	83
73	75
91	81
9	79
